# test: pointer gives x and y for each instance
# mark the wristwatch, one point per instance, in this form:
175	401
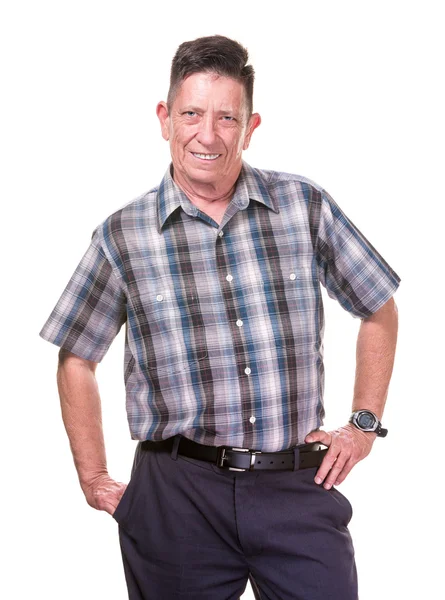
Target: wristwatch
365	420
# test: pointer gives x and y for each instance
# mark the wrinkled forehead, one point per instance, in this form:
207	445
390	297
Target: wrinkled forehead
210	87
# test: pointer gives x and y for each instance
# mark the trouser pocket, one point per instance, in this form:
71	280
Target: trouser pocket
123	509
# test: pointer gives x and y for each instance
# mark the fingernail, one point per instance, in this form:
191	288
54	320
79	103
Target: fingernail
318	480
327	486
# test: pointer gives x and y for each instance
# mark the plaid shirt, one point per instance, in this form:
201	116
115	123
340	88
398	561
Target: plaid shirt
224	324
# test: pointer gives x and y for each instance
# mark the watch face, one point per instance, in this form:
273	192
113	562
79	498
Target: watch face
366	420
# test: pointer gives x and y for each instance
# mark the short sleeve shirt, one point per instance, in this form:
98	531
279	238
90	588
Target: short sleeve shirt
223	323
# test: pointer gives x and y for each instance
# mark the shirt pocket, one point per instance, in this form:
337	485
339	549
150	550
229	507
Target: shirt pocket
170	330
302	303
298	280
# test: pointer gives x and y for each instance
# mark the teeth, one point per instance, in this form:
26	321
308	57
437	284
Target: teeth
206	156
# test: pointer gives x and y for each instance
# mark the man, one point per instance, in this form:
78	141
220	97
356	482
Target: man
216	274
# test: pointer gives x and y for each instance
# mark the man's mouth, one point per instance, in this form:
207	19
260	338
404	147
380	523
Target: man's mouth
206	156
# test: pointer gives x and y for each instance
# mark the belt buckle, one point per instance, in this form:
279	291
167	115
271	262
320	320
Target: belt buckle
222	457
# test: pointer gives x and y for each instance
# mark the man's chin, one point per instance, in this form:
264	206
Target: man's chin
203	175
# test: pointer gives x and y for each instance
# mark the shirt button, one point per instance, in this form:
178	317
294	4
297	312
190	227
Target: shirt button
221	233
159	297
229	277
292	276
247	371
239	323
252	419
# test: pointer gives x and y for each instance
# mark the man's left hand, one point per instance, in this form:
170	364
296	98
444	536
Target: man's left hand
347	446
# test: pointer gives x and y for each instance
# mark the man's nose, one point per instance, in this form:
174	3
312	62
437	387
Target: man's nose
206	134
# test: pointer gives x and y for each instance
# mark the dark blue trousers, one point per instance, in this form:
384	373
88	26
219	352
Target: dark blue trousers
189	530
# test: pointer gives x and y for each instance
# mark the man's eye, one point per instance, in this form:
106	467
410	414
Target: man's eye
190	113
228	118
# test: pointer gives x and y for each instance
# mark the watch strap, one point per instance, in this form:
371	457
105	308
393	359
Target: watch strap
381	431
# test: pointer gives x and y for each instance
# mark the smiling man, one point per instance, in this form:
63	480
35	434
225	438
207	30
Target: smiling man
208	123
216	273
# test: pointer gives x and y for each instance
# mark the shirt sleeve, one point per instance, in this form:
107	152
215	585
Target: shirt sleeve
350	268
91	310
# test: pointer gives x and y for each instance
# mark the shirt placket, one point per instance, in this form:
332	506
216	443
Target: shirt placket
238	319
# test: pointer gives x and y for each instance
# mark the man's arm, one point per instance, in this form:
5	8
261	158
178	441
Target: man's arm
82	416
376	346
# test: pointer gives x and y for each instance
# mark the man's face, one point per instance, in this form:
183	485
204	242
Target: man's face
208	128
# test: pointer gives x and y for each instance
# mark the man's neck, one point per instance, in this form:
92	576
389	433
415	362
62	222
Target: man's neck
208	198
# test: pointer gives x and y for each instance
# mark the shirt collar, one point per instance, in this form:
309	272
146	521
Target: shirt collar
250	186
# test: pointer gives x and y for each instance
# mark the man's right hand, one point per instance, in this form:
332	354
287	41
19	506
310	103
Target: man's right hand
103	493
82	416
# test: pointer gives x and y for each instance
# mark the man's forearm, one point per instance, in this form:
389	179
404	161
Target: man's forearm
82	416
376	346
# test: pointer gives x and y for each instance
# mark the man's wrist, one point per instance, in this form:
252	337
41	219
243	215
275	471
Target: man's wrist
368	422
87	479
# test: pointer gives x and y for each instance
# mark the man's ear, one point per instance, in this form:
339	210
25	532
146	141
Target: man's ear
254	122
164	119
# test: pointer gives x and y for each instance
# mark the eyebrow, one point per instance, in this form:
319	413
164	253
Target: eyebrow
191	108
200	109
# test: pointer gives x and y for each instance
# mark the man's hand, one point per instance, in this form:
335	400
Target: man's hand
347	446
103	493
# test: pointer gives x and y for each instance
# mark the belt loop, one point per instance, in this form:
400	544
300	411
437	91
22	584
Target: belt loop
176	441
296	459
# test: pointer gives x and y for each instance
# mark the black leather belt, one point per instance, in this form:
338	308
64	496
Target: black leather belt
243	459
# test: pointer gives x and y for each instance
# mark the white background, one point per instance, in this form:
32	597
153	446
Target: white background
351	96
